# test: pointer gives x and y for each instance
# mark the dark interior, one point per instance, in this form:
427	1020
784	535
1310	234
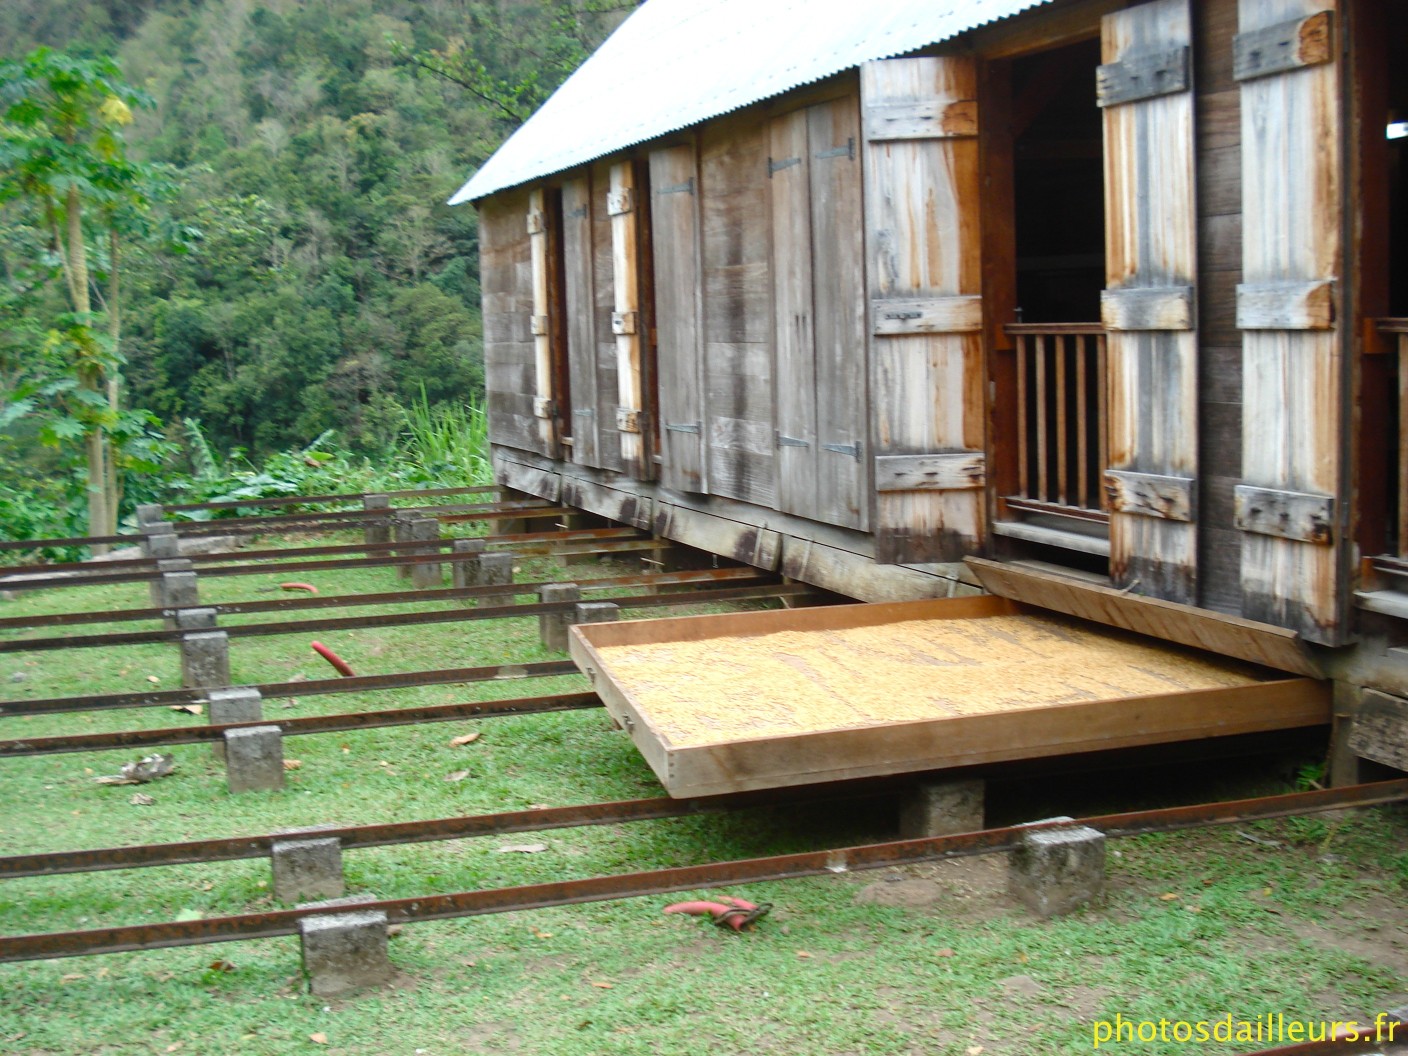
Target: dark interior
1059	178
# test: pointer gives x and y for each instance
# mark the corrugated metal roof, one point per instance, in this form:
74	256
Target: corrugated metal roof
675	63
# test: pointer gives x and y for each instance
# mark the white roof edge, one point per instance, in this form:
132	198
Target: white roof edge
675	63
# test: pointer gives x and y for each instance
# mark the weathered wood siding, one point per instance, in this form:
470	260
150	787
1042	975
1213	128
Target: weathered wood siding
737	310
627	206
1292	350
608	438
506	277
923	253
579	298
674	182
1151	272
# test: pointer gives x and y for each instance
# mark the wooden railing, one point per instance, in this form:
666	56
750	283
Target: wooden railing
1063	431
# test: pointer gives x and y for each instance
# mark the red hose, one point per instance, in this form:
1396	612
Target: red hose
337	662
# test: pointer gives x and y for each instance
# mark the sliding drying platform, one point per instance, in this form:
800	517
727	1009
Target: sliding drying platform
729	703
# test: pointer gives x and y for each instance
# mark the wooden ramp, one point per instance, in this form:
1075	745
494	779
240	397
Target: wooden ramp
743	701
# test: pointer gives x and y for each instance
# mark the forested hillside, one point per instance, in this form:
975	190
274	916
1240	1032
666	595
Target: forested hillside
313	145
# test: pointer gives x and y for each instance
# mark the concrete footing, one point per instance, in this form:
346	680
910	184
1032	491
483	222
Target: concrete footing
462	571
150	513
167	566
494	569
430	574
1057	871
236	704
254	759
205	660
159	541
307	868
552	626
377	530
175	590
401	533
941	808
343	952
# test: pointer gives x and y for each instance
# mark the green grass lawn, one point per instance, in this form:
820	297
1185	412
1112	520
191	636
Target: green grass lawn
930	959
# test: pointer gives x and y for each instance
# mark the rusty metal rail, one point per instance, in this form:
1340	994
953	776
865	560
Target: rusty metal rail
308	688
550	544
353	837
291	727
310	500
88	572
410	619
704	576
275	923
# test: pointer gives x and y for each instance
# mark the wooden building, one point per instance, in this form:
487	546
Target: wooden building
1110	295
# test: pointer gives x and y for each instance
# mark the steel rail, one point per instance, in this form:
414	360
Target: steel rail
308	500
306	688
686	578
408	619
386	834
293	727
276	521
608	546
275	923
98	571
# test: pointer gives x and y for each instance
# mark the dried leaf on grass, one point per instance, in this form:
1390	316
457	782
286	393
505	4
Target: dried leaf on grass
457	775
522	848
293	764
319	1038
468	738
189	709
141	799
148	768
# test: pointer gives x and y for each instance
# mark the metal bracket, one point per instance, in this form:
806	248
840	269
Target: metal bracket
682	427
791	441
904	315
848	151
844	449
778	166
680	188
585	412
578	213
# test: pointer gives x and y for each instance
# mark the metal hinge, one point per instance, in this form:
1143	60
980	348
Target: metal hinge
848	151
778	166
791	441
844	449
680	188
585	412
682	427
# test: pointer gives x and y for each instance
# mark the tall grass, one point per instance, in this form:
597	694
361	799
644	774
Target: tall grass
447	444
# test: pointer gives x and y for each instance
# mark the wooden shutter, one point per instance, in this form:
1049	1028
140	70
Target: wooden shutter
581	319
1292	390
506	274
923	251
628	323
674	227
789	195
543	227
1145	89
738	358
608	438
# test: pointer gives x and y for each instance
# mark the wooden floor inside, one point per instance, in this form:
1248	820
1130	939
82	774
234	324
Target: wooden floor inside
758	700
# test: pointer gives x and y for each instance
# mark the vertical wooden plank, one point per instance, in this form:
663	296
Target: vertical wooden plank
626	321
1063	439
1151	245
1043	450
1402	538
838	298
580	304
1293	398
674	182
1102	374
608	454
738	333
794	338
1082	429
539	228
923	242
506	277
1023	483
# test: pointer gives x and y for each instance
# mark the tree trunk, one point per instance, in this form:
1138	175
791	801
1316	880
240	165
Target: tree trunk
112	484
90	378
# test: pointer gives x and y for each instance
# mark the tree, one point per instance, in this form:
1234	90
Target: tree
63	157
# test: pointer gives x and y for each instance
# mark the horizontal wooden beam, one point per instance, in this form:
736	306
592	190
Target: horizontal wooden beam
1151	495
946	471
1286	305
1285	514
1142	76
1148	308
932	315
922	120
1308	41
1380	730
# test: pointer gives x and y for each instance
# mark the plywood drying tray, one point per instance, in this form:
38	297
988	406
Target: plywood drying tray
766	699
